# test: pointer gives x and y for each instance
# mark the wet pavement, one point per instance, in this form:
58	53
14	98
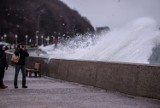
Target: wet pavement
47	92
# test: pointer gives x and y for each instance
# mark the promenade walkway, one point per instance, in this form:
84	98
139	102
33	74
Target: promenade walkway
53	93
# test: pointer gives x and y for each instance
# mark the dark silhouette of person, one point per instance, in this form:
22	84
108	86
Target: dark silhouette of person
55	41
3	65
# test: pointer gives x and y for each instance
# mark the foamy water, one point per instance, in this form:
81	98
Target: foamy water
131	43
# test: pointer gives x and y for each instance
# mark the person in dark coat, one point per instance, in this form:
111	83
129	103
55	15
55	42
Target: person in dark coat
22	53
3	65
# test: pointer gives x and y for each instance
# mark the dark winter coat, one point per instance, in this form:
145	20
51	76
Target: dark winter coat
23	54
3	60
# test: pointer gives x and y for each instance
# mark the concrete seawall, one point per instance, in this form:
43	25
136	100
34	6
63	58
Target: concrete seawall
133	79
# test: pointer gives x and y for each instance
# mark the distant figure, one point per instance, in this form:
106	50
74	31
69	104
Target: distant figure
3	65
22	52
55	41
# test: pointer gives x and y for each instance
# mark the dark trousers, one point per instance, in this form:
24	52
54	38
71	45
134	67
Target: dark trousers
1	76
17	69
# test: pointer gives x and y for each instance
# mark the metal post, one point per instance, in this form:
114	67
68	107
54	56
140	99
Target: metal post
2	38
48	40
42	40
16	36
5	36
30	41
36	40
26	40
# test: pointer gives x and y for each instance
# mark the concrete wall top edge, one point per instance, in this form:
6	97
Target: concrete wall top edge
110	62
91	61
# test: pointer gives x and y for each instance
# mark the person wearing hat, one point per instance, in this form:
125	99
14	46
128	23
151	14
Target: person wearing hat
3	65
20	65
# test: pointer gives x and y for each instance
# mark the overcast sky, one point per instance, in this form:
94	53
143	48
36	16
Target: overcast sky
115	13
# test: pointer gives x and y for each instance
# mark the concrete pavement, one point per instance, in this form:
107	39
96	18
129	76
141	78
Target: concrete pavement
53	93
